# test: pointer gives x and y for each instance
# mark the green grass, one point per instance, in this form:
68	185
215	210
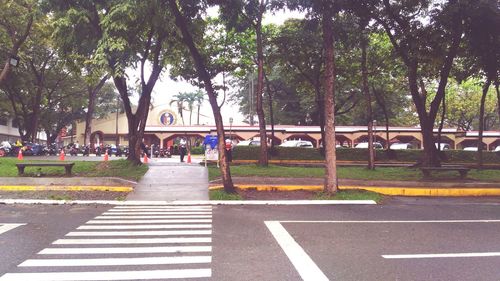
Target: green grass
360	173
350	195
116	168
60	197
220	194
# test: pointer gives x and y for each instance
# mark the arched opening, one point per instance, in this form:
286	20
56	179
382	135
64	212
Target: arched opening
339	140
194	140
416	143
276	141
96	139
302	137
494	145
469	143
364	138
445	139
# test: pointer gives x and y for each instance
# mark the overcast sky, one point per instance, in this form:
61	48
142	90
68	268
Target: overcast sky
165	88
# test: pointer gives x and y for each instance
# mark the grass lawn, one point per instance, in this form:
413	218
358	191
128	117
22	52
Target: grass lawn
116	168
361	173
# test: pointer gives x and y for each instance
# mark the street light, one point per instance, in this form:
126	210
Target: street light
14	60
231	128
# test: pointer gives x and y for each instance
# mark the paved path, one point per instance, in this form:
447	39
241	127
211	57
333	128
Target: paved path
169	181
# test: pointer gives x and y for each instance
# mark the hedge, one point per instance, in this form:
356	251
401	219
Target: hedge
356	154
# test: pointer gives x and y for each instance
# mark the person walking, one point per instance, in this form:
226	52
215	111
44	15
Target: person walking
182	148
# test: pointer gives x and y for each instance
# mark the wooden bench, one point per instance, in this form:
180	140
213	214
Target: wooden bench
460	169
67	166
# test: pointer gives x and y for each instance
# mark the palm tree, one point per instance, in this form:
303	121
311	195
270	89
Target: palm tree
191	99
180	99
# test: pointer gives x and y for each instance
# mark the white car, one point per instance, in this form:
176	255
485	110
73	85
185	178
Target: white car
401	146
470	148
376	145
248	143
297	143
497	148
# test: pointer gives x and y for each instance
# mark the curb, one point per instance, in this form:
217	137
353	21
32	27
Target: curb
65	188
200	202
389	190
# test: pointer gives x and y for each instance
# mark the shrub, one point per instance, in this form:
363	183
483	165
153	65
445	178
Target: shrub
356	154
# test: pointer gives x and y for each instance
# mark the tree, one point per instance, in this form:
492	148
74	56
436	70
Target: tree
179	99
410	36
129	33
16	22
186	26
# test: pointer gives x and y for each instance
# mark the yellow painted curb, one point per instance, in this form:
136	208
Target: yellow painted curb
393	191
64	188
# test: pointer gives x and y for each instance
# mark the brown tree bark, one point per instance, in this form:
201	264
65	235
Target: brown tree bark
486	87
263	157
92	94
366	92
203	74
331	184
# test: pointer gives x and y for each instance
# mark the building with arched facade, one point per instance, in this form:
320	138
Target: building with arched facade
164	127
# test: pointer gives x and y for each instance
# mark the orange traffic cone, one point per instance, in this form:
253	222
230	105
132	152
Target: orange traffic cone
20	155
61	155
145	158
189	158
106	156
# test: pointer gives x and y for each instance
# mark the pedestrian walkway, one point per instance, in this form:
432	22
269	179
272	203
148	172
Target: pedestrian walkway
129	243
171	181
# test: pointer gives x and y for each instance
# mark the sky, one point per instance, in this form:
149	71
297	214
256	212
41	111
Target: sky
165	88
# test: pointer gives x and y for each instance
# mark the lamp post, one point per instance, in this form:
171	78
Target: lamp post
231	128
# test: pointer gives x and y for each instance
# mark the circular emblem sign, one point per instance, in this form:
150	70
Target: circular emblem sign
167	118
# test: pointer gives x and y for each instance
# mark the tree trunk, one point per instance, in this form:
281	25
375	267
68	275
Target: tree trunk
271	111
5	71
203	74
263	157
331	183
486	87
92	94
441	124
366	92
381	103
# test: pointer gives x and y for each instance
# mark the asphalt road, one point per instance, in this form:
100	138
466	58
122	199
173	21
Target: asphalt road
407	239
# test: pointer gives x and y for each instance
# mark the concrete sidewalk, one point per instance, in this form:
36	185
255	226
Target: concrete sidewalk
167	181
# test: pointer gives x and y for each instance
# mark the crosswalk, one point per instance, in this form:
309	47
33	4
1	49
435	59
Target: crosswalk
129	243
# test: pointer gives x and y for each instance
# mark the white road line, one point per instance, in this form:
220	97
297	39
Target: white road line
140	233
117	261
4	227
125	250
164	207
305	266
133	241
159	213
149	221
450	255
153	217
109	275
419	221
159	210
145	226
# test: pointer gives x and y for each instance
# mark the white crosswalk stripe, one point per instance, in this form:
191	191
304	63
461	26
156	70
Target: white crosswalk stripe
129	243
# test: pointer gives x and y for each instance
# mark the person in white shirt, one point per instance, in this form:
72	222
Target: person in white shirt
182	148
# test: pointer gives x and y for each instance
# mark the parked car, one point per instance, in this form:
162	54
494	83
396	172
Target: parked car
402	146
249	143
497	148
30	148
470	148
376	145
443	146
297	143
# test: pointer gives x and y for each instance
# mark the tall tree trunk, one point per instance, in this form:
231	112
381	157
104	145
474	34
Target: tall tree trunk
263	157
486	87
441	123
331	184
271	110
92	94
366	92
203	74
